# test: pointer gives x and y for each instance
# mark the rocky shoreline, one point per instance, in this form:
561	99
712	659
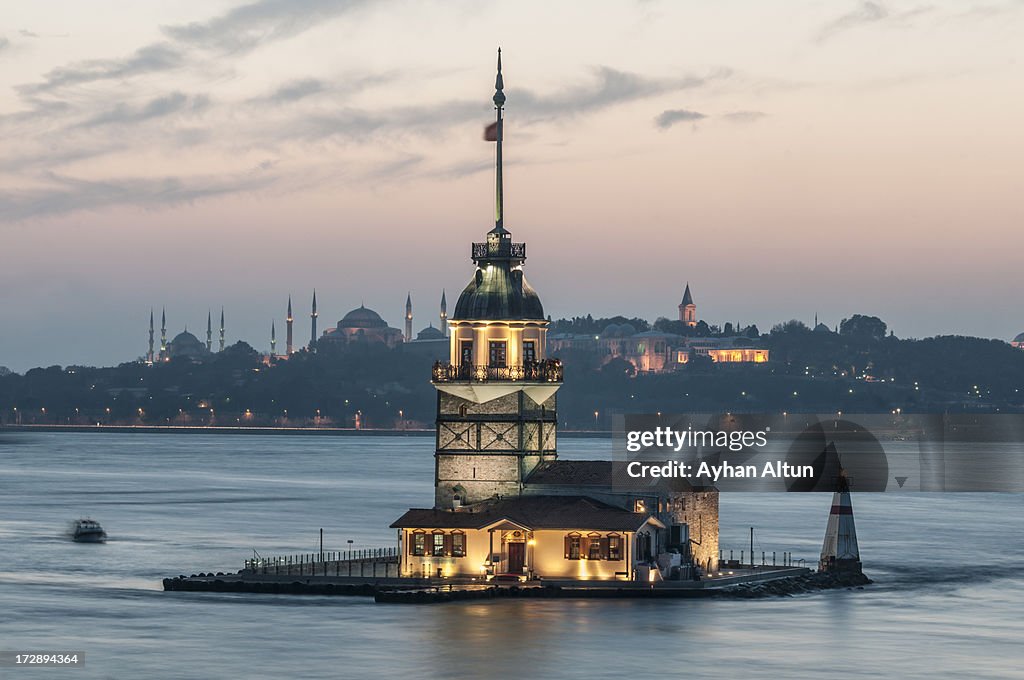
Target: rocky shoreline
788	587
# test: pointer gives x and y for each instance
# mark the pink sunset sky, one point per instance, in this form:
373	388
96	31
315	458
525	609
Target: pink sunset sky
785	158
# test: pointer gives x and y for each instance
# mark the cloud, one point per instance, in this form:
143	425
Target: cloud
672	116
869	13
160	107
743	116
66	194
4	42
152	58
243	28
28	34
296	90
611	87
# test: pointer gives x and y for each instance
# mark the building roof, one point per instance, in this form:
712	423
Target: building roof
186	344
362	317
687	298
1019	338
430	333
498	293
530	512
573	473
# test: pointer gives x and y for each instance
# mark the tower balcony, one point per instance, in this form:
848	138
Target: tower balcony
548	370
499	249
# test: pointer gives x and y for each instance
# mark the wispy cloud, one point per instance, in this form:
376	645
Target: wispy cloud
66	194
145	60
4	43
743	116
672	116
611	87
123	114
243	28
866	13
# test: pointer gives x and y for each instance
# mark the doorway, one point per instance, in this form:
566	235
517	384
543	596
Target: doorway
516	558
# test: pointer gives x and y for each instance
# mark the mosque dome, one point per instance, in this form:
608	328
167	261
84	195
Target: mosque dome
1019	340
362	317
822	328
627	329
612	330
430	333
185	344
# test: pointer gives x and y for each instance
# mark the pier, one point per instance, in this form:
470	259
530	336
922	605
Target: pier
760	581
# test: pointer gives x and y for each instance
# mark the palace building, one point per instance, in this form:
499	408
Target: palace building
504	504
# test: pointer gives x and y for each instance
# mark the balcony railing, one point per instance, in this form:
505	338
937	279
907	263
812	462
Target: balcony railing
499	249
549	370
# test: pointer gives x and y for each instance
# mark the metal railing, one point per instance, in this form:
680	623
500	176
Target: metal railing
548	370
515	251
366	562
767	558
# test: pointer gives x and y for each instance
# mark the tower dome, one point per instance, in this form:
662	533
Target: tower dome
498	290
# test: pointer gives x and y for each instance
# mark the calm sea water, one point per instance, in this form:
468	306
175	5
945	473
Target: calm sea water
947	602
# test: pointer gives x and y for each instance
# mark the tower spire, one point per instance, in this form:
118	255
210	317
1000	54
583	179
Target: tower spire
163	331
209	330
499	103
149	354
444	314
288	321
408	317
273	339
221	329
312	325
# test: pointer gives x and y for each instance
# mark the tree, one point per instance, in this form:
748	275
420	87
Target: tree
863	327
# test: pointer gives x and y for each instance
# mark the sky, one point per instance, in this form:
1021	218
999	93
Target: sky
787	159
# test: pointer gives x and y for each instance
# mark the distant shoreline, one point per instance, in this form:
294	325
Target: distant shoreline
321	431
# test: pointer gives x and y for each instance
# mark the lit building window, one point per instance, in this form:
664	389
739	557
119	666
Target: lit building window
572	546
529	351
437	547
497	355
418	546
458	544
594	547
614	547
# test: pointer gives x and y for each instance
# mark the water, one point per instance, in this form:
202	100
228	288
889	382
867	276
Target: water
947	601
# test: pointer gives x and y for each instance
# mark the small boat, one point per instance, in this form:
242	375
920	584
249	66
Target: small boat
88	531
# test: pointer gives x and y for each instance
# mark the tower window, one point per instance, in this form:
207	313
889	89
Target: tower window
497	355
529	352
466	353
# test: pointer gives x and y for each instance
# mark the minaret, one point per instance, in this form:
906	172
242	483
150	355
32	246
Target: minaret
496	407
209	331
163	332
288	320
312	325
149	354
688	310
408	317
444	314
840	552
273	340
221	329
